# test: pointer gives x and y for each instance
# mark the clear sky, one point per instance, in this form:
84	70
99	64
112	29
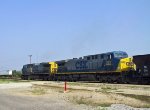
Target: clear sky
59	29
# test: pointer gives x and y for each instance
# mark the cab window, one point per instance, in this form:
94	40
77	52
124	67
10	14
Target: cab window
109	57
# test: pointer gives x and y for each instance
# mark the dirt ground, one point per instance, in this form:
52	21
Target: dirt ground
43	95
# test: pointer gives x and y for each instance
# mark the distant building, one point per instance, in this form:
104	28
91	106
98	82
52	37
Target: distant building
7	72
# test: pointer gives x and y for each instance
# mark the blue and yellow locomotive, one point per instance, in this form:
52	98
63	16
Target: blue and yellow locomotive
106	67
117	61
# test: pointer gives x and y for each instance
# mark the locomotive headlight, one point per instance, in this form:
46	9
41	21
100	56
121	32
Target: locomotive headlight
129	63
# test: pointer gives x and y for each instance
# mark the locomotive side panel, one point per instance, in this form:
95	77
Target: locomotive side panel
76	65
93	63
41	68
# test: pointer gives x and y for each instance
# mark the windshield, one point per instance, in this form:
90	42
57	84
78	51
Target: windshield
120	55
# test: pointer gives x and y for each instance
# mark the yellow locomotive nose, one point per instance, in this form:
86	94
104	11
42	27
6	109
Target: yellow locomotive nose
126	64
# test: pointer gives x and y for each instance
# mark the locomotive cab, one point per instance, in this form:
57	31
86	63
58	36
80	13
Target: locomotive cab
125	63
27	69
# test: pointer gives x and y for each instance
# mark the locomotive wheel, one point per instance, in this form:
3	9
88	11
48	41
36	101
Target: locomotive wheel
119	80
109	80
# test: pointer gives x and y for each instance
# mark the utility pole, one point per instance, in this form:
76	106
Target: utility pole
30	58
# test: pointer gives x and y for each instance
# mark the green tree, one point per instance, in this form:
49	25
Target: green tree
16	73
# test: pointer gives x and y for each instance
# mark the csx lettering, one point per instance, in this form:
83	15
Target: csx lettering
81	65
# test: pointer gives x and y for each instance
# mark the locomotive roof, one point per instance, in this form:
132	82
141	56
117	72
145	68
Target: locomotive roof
108	53
63	61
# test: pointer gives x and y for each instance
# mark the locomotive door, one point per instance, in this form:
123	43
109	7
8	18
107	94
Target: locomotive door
109	65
